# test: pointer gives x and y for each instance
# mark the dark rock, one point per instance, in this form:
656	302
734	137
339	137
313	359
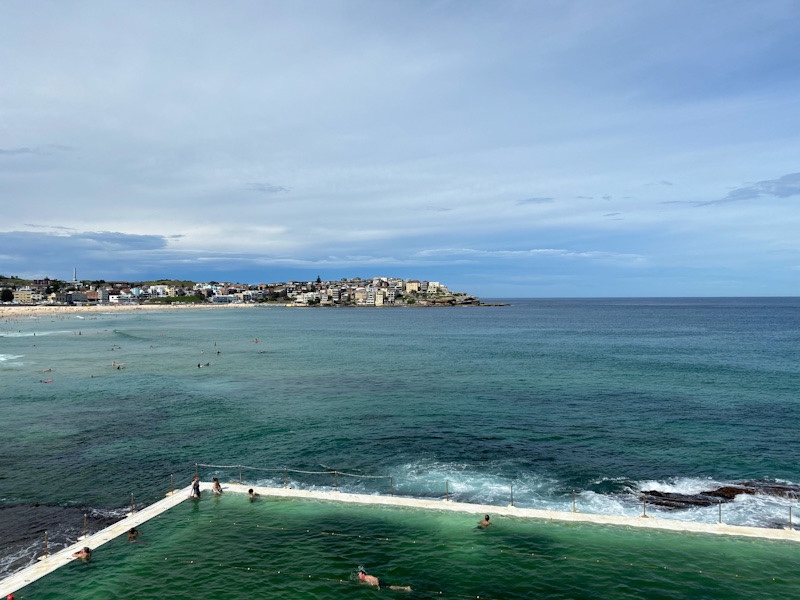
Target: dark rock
724	493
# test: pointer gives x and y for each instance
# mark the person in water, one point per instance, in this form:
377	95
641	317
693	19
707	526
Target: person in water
485	523
368	579
84	554
133	533
374	581
195	493
252	494
216	487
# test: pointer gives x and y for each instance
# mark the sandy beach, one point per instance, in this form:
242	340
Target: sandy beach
18	311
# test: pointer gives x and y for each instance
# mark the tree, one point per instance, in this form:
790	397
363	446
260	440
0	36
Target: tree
6	295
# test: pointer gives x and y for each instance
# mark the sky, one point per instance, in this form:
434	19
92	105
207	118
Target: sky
504	148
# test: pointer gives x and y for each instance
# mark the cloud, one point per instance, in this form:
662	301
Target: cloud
539	200
783	187
397	129
57	251
560	253
265	188
49	149
17	151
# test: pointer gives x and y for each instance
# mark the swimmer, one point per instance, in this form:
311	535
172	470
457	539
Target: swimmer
374	581
485	523
216	487
133	533
84	554
368	579
251	494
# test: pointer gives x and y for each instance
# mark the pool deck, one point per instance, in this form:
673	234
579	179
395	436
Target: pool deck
50	563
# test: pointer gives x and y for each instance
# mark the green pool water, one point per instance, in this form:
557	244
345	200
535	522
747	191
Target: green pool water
228	547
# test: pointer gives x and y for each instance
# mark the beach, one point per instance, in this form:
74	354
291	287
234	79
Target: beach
19	311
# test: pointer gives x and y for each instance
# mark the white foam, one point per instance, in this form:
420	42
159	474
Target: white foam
681	485
27	334
10	357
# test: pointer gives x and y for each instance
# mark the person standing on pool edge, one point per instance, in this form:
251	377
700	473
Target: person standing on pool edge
195	493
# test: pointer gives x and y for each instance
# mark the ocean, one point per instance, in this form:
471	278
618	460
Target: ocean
552	404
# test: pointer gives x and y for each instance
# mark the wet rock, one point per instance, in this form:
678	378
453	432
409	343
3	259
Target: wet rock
724	493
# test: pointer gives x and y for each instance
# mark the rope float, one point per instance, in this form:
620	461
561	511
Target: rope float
304	576
543	557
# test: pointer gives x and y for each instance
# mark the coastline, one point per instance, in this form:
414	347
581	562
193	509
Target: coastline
10	312
14	311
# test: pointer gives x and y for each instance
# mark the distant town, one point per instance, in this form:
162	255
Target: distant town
377	291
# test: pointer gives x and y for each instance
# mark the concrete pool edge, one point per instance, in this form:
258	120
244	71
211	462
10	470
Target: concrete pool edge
50	563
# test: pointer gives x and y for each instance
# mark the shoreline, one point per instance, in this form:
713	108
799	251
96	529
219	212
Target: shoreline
8	312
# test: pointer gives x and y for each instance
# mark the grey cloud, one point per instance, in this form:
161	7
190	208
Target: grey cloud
57	252
662	183
266	188
783	187
16	151
111	240
539	200
57	227
535	253
60	245
49	149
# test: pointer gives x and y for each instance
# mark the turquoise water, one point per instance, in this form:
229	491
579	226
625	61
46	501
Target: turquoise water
228	547
600	398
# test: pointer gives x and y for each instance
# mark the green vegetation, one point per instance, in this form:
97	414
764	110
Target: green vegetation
13	281
6	295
